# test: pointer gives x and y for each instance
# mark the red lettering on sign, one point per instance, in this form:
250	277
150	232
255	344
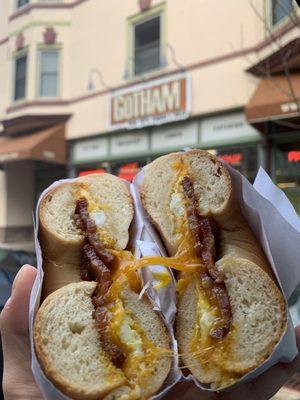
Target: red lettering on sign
294	156
92	171
128	171
235	158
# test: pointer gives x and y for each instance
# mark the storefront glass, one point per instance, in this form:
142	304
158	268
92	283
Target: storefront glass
86	169
244	159
127	169
287	171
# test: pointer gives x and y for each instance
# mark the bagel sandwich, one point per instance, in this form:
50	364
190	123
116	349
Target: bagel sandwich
94	337
231	313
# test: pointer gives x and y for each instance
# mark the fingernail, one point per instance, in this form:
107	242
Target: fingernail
16	280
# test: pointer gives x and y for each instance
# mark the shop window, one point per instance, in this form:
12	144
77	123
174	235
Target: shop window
280	9
147	46
287	170
93	168
21	3
20	77
127	169
49	73
244	159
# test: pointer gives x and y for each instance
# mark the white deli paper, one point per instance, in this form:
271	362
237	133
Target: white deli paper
139	233
274	223
269	215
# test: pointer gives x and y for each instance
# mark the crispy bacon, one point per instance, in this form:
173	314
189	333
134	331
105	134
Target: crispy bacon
211	279
96	262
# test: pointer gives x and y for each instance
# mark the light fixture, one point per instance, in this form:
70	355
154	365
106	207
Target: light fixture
91	83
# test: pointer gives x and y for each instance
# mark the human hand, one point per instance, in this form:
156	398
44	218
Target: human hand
18	381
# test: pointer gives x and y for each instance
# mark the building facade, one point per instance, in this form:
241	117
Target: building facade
109	85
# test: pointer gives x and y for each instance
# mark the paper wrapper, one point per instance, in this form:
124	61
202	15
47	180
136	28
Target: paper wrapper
163	300
274	223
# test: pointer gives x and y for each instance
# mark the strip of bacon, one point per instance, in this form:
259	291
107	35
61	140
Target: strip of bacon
96	262
211	279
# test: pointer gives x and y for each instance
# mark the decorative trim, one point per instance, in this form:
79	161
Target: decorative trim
20	40
29	7
49	35
144	5
4	40
39	23
37	103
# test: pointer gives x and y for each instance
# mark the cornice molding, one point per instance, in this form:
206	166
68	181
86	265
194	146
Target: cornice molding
28	8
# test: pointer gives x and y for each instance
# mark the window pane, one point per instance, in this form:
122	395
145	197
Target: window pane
281	8
49	73
147	45
147	32
147	59
49	85
49	61
20	77
22	3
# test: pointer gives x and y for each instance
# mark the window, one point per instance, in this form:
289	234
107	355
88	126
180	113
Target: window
21	3
281	8
20	77
147	39
49	73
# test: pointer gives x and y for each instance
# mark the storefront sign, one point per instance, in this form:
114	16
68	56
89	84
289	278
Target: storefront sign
129	143
230	128
90	150
92	171
234	158
8	156
128	171
180	136
294	156
151	103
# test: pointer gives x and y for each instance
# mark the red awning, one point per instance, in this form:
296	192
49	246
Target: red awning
47	145
276	97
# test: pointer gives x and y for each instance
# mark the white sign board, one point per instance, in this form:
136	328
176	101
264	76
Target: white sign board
151	103
90	150
230	128
129	143
180	135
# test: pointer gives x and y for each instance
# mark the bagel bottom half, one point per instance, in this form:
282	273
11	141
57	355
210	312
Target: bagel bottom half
69	350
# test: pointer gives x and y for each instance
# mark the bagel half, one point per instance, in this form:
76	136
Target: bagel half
110	205
258	310
71	343
70	353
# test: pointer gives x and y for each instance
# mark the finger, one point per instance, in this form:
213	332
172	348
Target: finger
14	317
17	375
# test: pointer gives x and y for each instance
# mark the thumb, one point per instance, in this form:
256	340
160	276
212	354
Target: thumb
14	317
17	375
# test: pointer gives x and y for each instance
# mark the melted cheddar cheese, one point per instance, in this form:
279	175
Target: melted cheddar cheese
141	355
97	212
208	351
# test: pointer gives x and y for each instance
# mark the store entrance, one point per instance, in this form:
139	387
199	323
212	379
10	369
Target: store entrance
287	171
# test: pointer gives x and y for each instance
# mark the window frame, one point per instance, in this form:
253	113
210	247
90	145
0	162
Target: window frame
282	21
17	7
40	50
17	55
132	22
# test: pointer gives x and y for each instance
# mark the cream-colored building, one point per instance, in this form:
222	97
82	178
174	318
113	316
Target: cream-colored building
111	84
